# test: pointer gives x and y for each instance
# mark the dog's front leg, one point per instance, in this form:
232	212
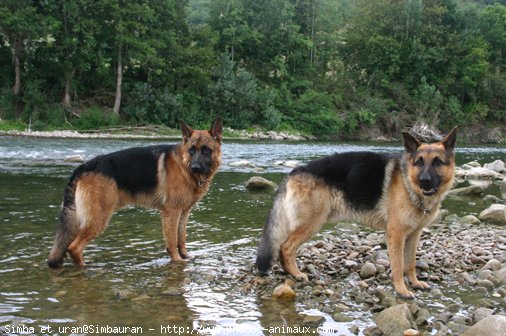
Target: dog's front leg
181	242
170	219
396	237
410	261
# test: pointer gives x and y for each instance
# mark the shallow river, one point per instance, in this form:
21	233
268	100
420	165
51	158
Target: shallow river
129	280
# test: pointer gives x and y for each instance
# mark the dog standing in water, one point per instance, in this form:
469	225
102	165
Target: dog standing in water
170	178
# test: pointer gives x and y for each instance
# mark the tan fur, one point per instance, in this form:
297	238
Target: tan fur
402	212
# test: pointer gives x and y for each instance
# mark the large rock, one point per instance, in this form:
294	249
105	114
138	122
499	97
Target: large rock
472	190
496	214
74	158
477	173
497	165
260	183
494	325
394	320
242	164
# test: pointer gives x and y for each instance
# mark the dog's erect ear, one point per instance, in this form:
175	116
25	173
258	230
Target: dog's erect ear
450	139
186	130
217	129
410	142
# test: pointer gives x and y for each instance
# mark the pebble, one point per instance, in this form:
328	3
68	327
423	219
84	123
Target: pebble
368	270
283	292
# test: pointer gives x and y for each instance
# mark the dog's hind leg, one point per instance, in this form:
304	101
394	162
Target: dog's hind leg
96	199
306	207
289	249
410	260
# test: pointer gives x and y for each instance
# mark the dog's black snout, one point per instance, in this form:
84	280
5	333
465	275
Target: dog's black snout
425	179
196	168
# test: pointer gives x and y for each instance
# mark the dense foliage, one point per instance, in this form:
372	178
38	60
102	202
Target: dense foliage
325	67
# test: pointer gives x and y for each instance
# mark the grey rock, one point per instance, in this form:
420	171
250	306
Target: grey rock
260	183
485	283
422	317
481	313
467	191
494	325
491	198
496	214
500	275
394	320
242	164
74	158
340	317
497	166
368	270
492	264
470	219
457	328
313	320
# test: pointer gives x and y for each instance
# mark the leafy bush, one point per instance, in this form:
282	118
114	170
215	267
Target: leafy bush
93	118
314	114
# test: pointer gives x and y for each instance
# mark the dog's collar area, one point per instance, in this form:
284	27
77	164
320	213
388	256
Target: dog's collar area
202	182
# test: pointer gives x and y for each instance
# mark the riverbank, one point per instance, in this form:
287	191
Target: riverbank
476	134
136	133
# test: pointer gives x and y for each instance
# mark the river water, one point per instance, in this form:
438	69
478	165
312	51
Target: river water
129	281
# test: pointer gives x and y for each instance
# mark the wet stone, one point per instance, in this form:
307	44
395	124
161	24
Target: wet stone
313	320
283	292
340	317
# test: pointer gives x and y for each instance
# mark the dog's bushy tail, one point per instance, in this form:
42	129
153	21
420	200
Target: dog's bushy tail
274	234
68	224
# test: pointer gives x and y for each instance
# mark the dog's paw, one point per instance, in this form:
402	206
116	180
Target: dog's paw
420	285
301	277
405	295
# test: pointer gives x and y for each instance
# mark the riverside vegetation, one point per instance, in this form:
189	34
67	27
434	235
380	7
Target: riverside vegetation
346	69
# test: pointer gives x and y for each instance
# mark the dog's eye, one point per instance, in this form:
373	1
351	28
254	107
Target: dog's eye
192	150
437	162
206	150
419	162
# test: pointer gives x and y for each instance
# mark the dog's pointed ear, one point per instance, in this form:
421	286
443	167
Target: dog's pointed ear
217	129
410	142
186	130
450	140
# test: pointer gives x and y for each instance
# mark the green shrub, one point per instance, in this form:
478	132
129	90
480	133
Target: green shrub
94	118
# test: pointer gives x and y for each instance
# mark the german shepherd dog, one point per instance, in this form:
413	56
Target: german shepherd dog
397	193
170	178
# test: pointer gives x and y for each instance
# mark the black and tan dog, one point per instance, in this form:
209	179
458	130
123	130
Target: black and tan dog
397	193
170	178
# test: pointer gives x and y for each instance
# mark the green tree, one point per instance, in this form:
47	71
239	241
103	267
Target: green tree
24	28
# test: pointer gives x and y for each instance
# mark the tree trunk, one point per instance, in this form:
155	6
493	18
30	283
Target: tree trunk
66	91
17	69
119	80
17	80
